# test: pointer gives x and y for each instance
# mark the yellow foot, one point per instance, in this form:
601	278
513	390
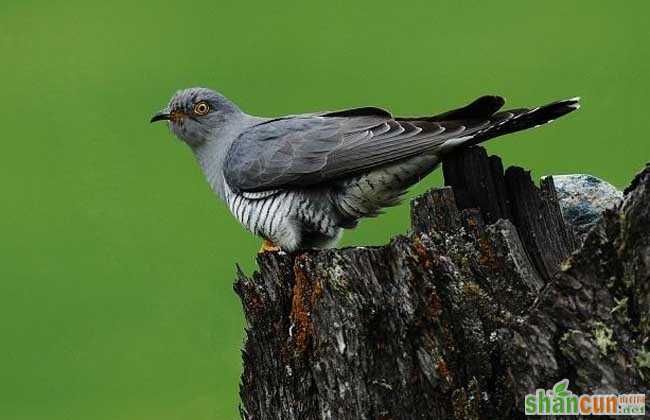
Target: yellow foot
268	246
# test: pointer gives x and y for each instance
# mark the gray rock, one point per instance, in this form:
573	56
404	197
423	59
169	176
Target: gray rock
583	198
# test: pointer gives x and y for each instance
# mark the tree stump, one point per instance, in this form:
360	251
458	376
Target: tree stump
488	298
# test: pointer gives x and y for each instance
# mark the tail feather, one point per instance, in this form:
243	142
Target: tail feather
510	121
366	194
483	107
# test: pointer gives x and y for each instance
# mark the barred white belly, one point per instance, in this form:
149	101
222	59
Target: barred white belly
283	217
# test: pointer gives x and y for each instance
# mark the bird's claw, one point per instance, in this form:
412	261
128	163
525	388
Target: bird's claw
268	246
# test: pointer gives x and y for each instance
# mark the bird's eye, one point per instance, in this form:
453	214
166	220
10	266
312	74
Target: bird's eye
201	108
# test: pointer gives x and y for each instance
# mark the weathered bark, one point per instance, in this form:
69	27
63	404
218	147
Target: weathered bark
484	301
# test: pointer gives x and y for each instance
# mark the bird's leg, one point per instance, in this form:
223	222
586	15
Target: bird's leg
268	246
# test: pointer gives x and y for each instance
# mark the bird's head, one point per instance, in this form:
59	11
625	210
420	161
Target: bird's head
197	115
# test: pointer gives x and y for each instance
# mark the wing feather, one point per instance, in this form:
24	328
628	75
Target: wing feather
310	149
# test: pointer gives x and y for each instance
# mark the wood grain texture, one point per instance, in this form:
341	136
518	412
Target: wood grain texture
484	301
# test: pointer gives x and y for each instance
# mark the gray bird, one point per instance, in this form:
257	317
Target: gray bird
297	181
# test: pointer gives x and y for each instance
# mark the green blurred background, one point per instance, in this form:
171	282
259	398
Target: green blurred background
116	261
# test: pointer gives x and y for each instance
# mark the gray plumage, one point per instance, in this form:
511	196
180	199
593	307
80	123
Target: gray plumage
298	180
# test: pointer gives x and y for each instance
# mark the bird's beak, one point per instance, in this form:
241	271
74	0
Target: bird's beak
161	116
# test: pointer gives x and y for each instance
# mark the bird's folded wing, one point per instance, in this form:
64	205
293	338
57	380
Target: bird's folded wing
306	150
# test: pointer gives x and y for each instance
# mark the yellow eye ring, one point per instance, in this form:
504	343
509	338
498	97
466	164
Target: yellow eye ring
201	108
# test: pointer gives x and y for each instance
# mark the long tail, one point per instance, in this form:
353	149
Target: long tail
365	195
527	118
503	122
